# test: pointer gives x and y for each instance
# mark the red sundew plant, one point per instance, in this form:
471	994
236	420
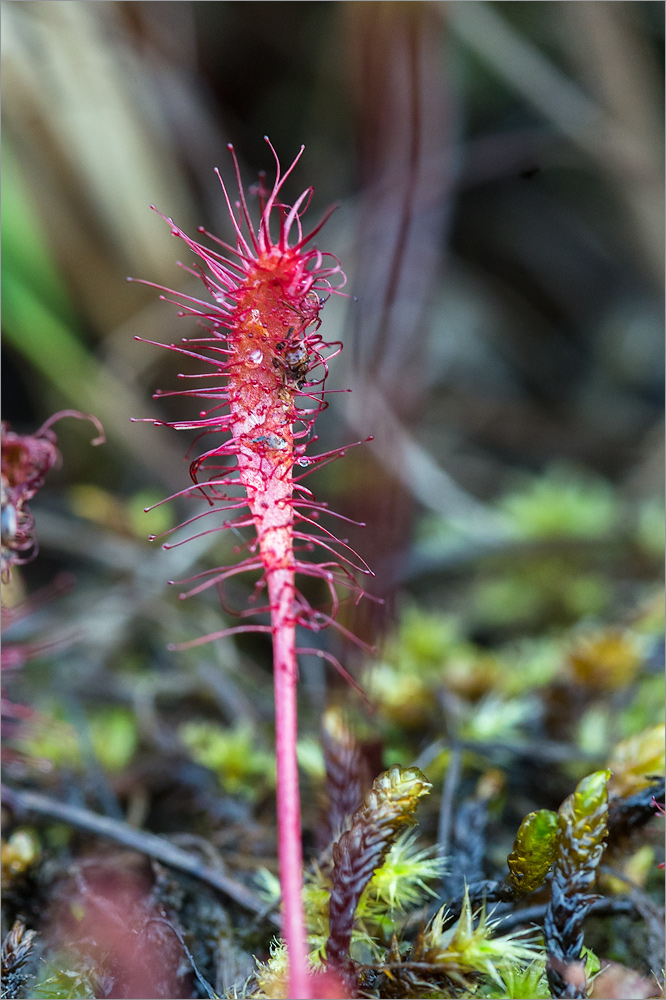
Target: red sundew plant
26	459
262	340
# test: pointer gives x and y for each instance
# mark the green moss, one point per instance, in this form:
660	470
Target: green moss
112	731
242	767
650	528
154	521
115	737
533	851
645	709
470	945
531	589
64	978
401	883
427	638
564	502
521	983
496	718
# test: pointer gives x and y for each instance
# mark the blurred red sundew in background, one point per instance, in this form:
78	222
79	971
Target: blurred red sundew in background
105	914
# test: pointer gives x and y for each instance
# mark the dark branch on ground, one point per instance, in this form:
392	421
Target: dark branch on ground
24	801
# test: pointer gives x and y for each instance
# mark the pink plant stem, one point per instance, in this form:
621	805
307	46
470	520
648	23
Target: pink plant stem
290	854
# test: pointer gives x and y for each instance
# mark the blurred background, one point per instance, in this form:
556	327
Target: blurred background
499	173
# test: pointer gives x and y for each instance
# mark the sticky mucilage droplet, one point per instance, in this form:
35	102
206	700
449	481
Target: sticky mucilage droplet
254	359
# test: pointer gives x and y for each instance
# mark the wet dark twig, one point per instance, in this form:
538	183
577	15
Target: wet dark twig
625	815
614	906
651	913
449	788
203	982
24	801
